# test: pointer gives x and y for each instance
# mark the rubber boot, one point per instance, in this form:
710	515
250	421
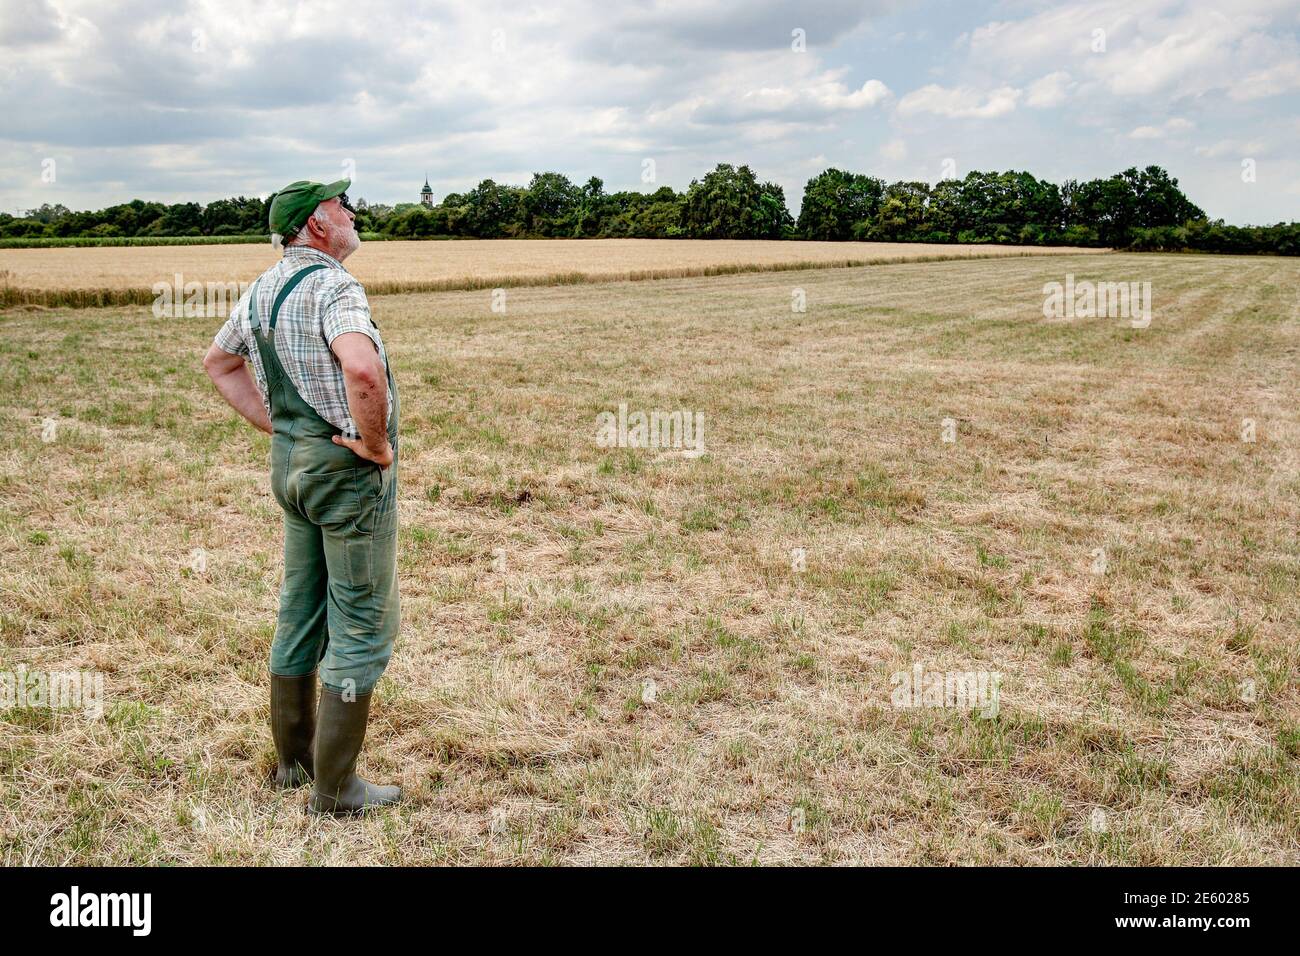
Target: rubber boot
340	731
293	728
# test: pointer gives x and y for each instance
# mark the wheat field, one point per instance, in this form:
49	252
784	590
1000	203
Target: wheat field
612	655
393	265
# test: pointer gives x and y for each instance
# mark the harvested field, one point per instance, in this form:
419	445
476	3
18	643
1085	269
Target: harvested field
621	655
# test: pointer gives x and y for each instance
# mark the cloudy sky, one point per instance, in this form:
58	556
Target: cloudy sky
177	101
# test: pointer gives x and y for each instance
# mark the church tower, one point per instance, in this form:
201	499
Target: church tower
426	194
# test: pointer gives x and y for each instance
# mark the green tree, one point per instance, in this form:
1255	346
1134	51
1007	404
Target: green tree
222	214
183	219
902	213
834	201
595	209
730	203
492	210
46	213
947	214
1127	201
550	205
659	215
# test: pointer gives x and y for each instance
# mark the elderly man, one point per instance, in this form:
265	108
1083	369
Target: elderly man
322	388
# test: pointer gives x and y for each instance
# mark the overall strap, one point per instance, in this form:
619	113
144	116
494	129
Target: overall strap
271	368
288	407
284	293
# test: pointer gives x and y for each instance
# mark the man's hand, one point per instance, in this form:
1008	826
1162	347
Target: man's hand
383	458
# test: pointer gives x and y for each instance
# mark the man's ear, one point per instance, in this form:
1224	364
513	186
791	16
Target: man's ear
315	227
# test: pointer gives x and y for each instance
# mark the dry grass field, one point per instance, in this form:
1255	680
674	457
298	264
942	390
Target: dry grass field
1098	533
464	264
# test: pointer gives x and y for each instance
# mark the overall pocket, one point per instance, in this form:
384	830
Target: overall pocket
332	497
370	557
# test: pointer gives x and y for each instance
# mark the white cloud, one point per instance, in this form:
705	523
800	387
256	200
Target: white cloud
895	150
817	97
1235	148
582	86
1143	67
1278	78
117	93
1232	71
1168	128
1175	47
832	95
960	102
1049	90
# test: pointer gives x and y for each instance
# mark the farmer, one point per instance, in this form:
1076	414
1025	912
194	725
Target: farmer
322	388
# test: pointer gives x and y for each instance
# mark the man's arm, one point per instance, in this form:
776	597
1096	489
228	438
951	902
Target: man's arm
230	374
366	383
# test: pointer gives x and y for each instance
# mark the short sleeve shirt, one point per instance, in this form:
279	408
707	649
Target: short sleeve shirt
325	304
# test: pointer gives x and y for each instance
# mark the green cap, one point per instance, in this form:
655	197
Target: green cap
293	205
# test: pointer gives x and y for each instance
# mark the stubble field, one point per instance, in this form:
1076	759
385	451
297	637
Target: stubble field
612	655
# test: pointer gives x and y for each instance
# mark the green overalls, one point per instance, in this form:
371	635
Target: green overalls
339	606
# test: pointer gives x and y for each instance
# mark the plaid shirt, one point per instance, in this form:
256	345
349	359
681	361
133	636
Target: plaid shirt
325	304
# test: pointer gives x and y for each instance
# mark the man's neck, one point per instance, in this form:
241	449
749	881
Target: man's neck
311	247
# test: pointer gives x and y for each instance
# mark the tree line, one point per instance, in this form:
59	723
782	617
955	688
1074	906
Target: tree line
1141	209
